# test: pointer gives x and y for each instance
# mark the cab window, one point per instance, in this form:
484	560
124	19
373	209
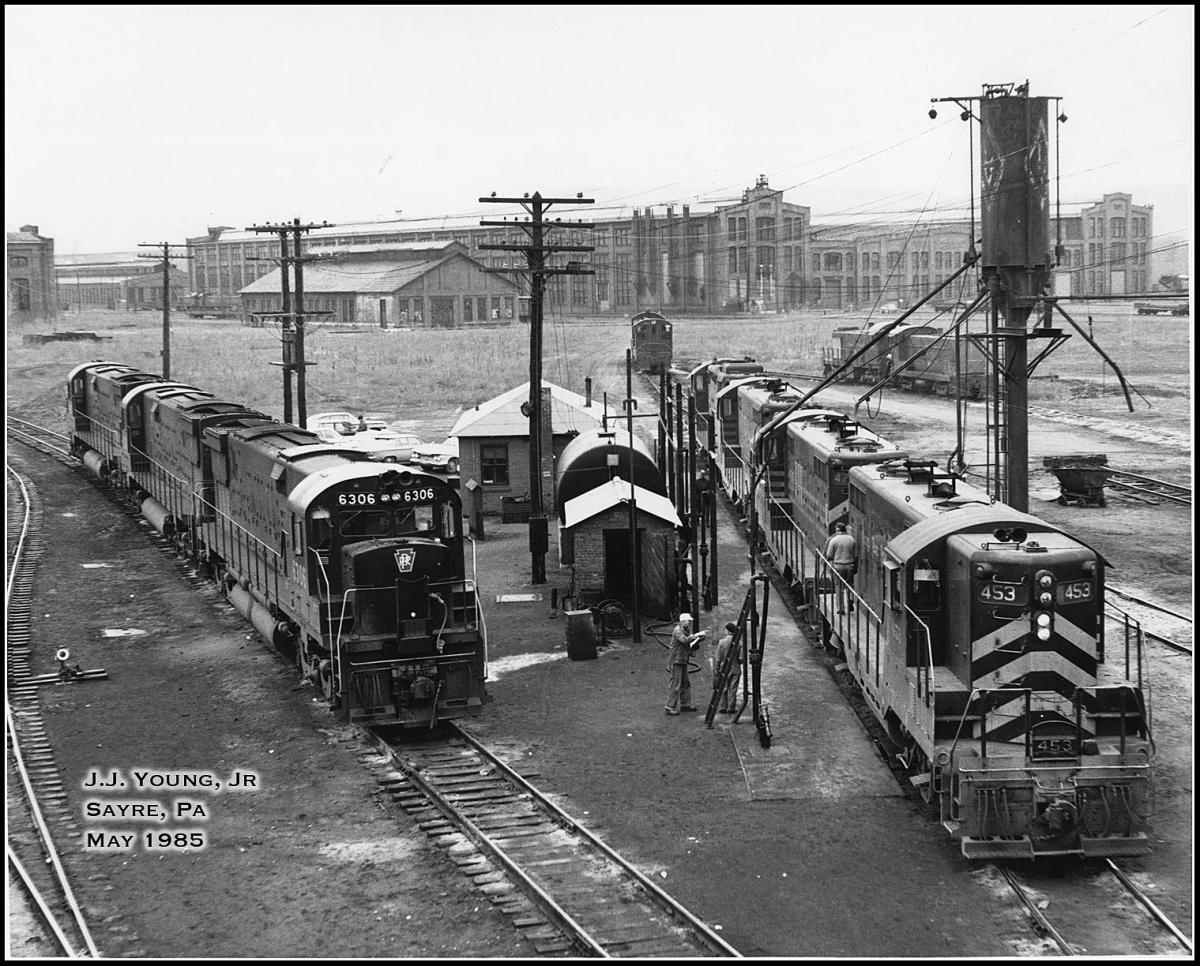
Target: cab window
366	523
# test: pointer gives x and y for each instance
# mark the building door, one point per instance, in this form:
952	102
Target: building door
618	564
443	310
383	313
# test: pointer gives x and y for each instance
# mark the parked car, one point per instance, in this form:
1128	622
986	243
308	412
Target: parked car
377	441
437	456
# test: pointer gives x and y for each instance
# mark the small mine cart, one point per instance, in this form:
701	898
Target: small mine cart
1081	478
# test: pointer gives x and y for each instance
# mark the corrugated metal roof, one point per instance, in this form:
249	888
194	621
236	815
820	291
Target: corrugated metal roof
24	236
99	258
97	279
502	416
614	493
357	276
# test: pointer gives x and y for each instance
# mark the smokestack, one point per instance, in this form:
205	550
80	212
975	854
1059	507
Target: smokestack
587	392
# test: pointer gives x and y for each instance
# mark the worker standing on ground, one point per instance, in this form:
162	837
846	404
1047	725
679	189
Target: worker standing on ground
683	642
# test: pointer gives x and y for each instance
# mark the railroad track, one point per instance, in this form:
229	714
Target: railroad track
1133	613
46	440
36	799
1149	487
564	887
1161	924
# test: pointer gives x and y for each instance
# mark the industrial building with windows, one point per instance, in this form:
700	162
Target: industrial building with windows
32	292
758	253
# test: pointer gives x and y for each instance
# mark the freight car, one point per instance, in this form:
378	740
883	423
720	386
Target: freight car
357	567
651	342
975	632
920	358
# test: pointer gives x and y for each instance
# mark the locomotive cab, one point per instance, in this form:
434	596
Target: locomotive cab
403	633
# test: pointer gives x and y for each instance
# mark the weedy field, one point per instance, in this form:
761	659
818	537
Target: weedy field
430	375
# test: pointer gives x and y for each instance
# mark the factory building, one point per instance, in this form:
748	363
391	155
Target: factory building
32	292
753	253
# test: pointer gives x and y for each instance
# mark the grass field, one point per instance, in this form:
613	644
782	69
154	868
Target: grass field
430	376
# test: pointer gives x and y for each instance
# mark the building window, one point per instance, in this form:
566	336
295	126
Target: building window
1118	254
493	464
17	261
833	261
894	259
579	290
622	280
468	309
764	229
816	263
20	294
1117	227
620	236
733	261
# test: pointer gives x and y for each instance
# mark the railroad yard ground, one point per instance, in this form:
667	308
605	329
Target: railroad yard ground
811	849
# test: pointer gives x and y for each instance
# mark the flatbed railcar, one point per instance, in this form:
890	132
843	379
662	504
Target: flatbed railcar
357	567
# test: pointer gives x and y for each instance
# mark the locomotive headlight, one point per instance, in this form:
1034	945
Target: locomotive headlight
1043	623
1045	580
1043	620
1045	598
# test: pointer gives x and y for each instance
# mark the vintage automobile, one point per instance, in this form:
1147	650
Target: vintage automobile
377	441
437	456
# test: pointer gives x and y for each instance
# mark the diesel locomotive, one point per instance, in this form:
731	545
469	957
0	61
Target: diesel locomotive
358	567
651	341
975	632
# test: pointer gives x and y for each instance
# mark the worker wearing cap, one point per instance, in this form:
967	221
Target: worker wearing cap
842	554
683	642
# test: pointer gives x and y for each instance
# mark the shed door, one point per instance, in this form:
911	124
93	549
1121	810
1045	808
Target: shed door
658	580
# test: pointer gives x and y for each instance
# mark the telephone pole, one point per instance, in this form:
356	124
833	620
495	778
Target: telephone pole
292	316
535	226
166	257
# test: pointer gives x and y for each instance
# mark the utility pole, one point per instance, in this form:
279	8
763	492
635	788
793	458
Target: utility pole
166	296
292	316
535	226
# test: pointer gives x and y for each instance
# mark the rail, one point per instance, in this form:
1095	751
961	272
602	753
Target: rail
1149	486
664	900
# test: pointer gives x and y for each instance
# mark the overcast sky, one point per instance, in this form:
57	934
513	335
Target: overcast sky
140	124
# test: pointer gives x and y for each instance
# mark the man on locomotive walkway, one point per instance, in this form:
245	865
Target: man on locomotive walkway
683	642
842	554
728	703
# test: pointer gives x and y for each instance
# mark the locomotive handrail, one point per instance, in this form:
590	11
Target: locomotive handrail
930	687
